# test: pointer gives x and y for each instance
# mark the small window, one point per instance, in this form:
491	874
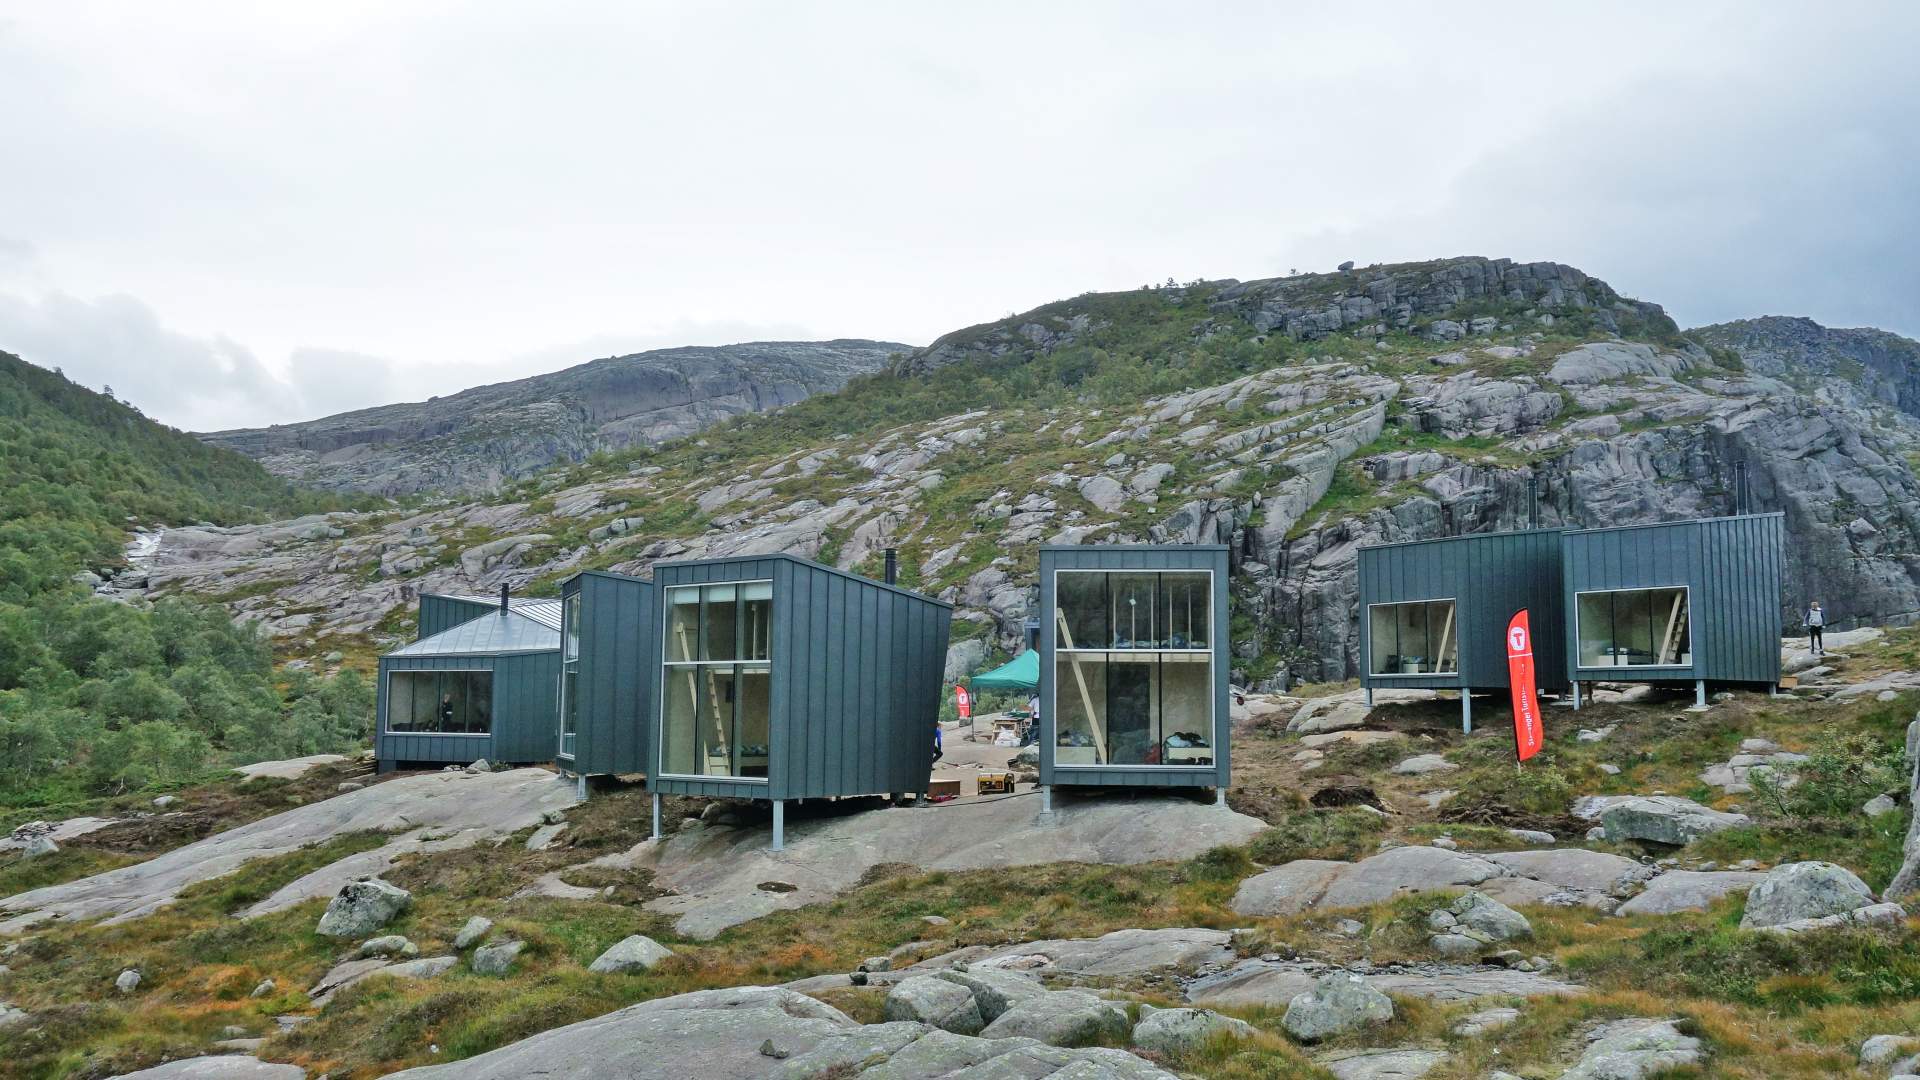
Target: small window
570	624
1417	638
440	702
1634	628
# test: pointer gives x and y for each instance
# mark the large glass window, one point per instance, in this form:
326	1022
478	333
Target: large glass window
569	674
1133	668
1634	628
1098	609
1417	638
716	707
440	702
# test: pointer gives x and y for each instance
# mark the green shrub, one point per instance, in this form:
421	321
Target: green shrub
1345	833
1841	772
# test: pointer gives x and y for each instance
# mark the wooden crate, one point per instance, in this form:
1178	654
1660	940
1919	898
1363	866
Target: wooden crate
949	788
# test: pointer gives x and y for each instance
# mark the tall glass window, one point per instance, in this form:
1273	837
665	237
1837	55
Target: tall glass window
569	674
1634	628
1133	668
1417	638
716	705
440	702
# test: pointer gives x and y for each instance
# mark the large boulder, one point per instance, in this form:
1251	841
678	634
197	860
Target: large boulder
994	991
1170	1031
636	953
1665	819
496	959
938	1002
1688	890
1472	922
1482	914
1061	1018
1338	1003
1804	890
1633	1049
361	907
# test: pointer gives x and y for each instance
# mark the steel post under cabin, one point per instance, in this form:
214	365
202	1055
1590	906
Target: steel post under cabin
605	680
779	678
1133	673
1683	602
480	685
1434	613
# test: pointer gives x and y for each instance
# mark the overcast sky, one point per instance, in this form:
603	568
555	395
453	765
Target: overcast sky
244	213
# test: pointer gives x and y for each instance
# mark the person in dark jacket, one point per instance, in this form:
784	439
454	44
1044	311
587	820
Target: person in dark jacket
446	713
1816	619
937	752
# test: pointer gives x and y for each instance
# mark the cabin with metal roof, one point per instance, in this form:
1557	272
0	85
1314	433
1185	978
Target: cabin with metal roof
482	686
1134	667
780	678
1434	613
1680	602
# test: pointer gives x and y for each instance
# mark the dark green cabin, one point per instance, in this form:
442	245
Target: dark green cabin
479	687
1434	613
1133	666
1682	602
779	678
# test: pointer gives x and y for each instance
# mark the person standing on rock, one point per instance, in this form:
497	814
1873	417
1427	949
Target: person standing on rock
1815	620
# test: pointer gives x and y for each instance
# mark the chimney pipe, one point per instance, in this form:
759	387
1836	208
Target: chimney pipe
503	596
893	567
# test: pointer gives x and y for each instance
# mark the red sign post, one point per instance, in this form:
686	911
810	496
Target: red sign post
963	702
1527	735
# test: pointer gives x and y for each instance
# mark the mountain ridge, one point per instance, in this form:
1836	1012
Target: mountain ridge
479	438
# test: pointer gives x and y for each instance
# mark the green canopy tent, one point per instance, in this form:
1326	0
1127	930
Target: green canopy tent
1020	673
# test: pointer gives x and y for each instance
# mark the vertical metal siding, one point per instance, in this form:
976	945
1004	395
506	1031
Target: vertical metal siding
524	706
1489	576
439	613
1732	568
1147	559
618	626
855	681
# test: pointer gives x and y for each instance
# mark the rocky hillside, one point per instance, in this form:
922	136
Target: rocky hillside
1881	366
1294	418
477	439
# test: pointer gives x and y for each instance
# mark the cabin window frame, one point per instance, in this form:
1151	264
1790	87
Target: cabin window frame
1691	640
737	666
1205	656
1424	601
413	732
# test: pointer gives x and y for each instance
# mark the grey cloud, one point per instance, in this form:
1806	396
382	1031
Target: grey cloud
118	341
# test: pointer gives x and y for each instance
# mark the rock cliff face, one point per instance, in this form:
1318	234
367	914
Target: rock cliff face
475	440
1386	404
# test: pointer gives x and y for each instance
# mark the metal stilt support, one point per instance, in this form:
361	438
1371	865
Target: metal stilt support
580	780
656	815
779	825
1369	697
1576	695
1466	710
1220	796
1700	693
1046	798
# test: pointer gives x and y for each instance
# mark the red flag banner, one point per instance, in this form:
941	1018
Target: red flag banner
963	702
1527	736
